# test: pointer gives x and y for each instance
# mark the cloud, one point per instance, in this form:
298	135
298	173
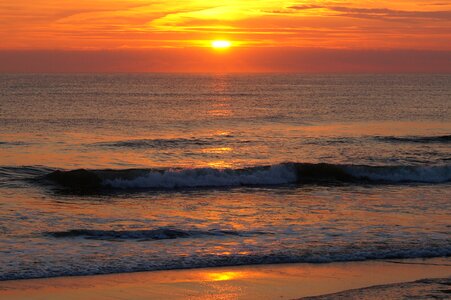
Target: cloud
380	13
106	24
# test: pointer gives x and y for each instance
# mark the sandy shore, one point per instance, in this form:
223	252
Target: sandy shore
437	288
287	281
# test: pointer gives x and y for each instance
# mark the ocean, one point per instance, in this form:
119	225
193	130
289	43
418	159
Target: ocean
112	173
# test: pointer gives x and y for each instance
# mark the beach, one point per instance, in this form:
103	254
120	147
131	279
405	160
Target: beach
284	281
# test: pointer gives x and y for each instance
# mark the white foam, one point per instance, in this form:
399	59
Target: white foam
279	174
209	177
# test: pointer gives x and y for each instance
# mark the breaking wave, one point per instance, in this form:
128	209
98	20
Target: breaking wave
144	262
279	174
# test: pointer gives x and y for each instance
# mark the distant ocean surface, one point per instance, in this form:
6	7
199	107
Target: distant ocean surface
115	173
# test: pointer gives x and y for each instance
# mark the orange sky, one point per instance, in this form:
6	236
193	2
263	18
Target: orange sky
183	30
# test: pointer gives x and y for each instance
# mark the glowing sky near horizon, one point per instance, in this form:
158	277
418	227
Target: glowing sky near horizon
137	24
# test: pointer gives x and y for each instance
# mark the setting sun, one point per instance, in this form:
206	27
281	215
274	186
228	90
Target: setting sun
221	44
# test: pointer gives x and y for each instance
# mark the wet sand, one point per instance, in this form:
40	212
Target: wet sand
437	288
284	281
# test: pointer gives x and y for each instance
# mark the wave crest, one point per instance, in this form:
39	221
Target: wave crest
279	174
208	177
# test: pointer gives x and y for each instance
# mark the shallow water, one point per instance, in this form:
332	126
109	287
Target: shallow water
221	170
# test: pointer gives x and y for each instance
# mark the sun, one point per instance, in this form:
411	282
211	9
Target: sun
221	44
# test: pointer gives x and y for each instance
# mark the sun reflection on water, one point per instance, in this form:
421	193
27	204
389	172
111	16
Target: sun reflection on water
217	150
220	164
223	276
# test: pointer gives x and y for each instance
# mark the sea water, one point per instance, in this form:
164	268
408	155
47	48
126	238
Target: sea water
109	173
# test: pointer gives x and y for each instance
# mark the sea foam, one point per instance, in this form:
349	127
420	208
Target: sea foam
278	174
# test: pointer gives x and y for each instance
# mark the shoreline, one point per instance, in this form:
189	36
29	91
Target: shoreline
437	288
281	281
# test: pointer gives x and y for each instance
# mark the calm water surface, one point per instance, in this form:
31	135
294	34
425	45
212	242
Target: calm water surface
184	171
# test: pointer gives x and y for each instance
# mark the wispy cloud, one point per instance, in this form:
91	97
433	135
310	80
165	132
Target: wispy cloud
106	24
379	13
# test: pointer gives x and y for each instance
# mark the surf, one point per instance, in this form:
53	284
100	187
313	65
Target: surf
272	175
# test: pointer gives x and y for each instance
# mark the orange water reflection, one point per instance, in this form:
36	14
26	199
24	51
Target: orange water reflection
220	112
72	149
220	164
222	133
223	276
218	150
